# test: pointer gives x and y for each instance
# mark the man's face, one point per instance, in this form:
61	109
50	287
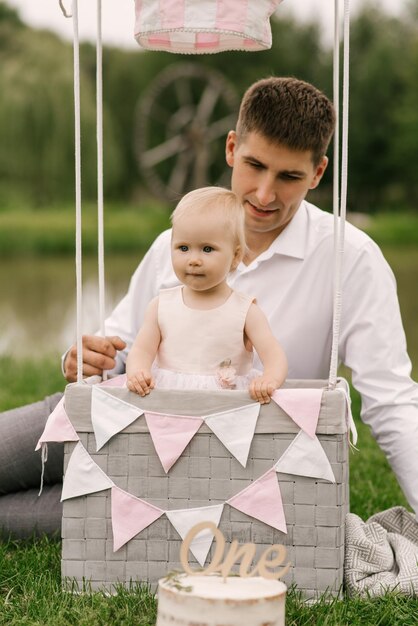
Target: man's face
270	179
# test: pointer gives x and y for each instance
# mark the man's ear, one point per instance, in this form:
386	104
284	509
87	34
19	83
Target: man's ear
319	172
231	144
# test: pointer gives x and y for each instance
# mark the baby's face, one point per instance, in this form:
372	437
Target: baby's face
202	251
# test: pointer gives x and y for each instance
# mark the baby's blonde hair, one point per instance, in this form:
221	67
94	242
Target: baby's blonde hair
206	199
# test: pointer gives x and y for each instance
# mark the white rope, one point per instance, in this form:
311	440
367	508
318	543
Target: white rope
336	98
340	222
78	263
44	458
99	133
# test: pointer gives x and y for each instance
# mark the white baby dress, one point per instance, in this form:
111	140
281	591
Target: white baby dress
202	349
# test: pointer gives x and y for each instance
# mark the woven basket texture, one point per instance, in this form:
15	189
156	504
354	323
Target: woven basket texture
206	474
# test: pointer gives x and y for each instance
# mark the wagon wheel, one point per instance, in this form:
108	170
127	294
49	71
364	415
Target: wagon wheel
182	120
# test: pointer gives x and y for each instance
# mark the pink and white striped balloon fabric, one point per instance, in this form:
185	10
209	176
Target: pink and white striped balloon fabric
204	26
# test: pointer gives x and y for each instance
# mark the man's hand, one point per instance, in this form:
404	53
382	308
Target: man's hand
262	388
98	355
140	382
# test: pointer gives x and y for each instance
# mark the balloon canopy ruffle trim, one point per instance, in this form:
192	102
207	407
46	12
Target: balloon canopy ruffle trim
204	26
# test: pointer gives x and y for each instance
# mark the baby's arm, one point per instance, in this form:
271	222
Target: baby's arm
270	352
143	352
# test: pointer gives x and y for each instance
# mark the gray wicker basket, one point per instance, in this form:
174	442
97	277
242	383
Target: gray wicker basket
206	474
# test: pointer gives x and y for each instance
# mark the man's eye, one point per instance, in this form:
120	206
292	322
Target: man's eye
256	166
290	177
183	248
207	249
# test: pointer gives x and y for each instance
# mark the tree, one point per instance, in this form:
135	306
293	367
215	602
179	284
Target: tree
37	121
378	83
9	15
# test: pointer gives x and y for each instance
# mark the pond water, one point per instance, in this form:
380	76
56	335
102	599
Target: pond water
37	304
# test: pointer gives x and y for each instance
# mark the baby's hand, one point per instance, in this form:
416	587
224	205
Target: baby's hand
140	382
262	387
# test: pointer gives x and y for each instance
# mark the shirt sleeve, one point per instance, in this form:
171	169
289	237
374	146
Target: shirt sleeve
126	318
146	282
373	346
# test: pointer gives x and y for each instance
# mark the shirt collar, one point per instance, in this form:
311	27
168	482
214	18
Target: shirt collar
291	242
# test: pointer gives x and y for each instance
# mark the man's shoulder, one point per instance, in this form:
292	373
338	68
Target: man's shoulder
157	258
162	241
322	225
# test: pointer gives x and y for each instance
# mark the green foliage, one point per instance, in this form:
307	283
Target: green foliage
36	107
37	122
380	85
395	228
36	78
9	15
132	228
52	231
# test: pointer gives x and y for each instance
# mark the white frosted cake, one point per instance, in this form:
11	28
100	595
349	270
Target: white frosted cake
212	600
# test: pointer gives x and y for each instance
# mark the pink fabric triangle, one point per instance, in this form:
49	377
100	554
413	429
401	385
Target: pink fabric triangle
171	434
58	427
302	405
262	500
130	515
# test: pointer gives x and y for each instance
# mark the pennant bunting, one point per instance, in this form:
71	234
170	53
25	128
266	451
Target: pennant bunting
305	457
110	415
349	418
302	405
83	475
171	434
235	429
184	519
262	499
58	427
130	515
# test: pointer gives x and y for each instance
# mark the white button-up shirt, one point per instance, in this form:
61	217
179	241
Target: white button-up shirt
292	282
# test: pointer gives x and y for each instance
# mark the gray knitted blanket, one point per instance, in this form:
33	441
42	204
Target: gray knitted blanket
382	553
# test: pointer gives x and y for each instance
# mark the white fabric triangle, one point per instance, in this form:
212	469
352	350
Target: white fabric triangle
350	421
83	475
110	415
235	429
184	519
305	457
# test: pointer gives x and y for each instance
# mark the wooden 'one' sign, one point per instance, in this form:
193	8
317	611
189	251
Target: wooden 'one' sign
245	552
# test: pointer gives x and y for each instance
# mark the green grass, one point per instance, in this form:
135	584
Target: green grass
52	231
30	592
27	381
389	229
133	228
30	595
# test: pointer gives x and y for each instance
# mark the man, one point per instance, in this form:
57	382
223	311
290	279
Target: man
277	154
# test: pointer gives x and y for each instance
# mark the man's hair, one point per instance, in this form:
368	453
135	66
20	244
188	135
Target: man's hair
209	199
290	112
